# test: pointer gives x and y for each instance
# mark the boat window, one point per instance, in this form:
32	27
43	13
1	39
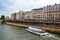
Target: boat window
41	31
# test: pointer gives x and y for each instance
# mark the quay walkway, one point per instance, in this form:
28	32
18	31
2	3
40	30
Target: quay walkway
42	26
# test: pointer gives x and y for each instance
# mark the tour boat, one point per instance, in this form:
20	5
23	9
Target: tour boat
38	31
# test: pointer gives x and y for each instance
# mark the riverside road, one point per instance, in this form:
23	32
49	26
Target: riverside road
8	32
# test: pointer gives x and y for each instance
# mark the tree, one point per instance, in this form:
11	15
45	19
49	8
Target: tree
2	17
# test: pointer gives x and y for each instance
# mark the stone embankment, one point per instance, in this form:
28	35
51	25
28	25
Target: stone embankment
55	30
15	24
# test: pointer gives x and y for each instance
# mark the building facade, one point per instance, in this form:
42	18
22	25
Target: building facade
48	13
28	15
13	16
7	18
52	12
38	14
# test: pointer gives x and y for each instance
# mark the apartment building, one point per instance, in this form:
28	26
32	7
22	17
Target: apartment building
28	15
13	16
21	15
38	14
17	16
52	12
49	13
7	18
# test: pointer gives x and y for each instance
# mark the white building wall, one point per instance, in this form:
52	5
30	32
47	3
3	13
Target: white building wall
17	16
44	9
58	6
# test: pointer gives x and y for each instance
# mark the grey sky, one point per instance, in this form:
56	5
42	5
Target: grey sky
8	7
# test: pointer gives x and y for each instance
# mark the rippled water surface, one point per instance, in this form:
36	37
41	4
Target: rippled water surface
8	32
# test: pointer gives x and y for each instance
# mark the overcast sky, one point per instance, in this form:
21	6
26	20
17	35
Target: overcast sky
8	7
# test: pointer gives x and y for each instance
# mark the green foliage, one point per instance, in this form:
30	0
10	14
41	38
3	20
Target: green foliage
2	17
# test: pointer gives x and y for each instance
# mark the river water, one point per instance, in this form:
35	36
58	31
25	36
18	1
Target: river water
8	32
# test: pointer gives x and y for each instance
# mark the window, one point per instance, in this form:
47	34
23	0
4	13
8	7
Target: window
59	15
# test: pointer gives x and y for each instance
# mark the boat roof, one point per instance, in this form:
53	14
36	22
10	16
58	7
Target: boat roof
36	29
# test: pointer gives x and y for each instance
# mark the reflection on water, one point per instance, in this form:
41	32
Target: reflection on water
17	33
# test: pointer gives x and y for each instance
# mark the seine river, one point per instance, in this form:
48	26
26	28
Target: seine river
8	32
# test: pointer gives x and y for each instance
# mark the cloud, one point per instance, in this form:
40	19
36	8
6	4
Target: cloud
49	2
11	6
25	4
